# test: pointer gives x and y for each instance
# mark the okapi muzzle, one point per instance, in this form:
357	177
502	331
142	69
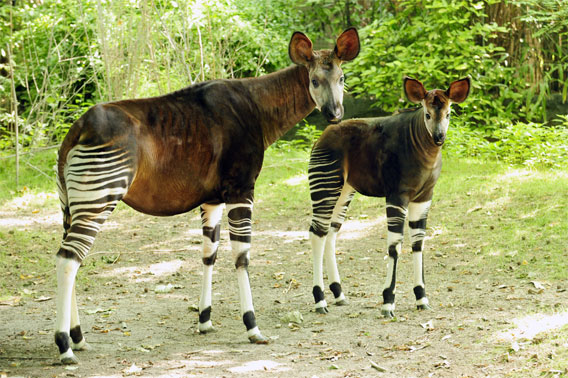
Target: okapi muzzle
324	67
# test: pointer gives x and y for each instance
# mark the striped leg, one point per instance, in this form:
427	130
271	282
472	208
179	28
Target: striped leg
211	223
396	215
326	183
240	215
417	215
96	178
337	219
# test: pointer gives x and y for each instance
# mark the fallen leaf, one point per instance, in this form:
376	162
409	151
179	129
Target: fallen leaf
162	289
278	275
377	367
10	301
538	285
428	326
473	209
98	310
43	299
292	317
132	370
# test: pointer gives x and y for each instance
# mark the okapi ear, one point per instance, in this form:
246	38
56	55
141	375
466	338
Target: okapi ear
414	90
459	90
347	46
300	49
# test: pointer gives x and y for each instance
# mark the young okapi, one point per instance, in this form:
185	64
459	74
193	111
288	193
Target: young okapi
203	145
397	157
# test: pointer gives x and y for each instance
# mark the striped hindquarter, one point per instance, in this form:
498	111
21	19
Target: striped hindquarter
330	197
94	179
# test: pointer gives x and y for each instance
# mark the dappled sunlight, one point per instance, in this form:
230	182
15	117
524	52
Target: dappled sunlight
525	174
498	204
360	228
260	365
530	326
148	272
185	367
296	180
29	199
9	220
288	236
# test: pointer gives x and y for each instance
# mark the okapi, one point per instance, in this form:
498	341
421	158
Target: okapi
202	145
397	157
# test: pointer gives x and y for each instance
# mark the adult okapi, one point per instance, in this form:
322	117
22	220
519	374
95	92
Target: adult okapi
202	145
397	157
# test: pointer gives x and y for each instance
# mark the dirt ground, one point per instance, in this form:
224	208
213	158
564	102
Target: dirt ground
134	330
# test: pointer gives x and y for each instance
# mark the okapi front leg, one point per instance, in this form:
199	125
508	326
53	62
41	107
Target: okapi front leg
240	215
396	215
417	215
211	223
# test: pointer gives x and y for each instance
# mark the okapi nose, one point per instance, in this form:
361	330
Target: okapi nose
439	138
333	114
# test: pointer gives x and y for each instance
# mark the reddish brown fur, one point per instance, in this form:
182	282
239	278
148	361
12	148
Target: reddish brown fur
204	143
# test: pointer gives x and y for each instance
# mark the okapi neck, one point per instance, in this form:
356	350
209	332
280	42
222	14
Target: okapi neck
283	99
422	141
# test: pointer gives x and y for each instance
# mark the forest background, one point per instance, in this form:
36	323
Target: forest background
58	58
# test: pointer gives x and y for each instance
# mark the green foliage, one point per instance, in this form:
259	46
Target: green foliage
529	144
440	41
436	43
304	138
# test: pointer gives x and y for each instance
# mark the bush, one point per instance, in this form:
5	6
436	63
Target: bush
529	144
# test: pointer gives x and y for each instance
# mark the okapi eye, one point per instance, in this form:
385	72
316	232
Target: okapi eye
315	83
448	116
428	116
342	80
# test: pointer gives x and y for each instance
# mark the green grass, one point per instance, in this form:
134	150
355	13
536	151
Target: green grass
36	173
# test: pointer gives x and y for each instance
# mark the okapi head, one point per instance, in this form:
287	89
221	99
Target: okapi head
436	104
324	68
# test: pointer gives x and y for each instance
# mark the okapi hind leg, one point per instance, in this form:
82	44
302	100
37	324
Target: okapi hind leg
211	223
240	229
337	219
396	215
417	216
66	272
77	340
95	179
326	184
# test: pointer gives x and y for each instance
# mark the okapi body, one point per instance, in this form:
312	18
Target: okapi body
200	146
397	157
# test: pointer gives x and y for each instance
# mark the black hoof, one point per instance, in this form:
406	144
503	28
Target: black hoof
387	314
322	310
342	302
258	339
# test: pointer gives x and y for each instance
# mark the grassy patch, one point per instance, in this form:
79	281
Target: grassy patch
513	218
36	173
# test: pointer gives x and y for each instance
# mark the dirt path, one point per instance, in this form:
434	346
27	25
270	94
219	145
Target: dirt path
135	331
